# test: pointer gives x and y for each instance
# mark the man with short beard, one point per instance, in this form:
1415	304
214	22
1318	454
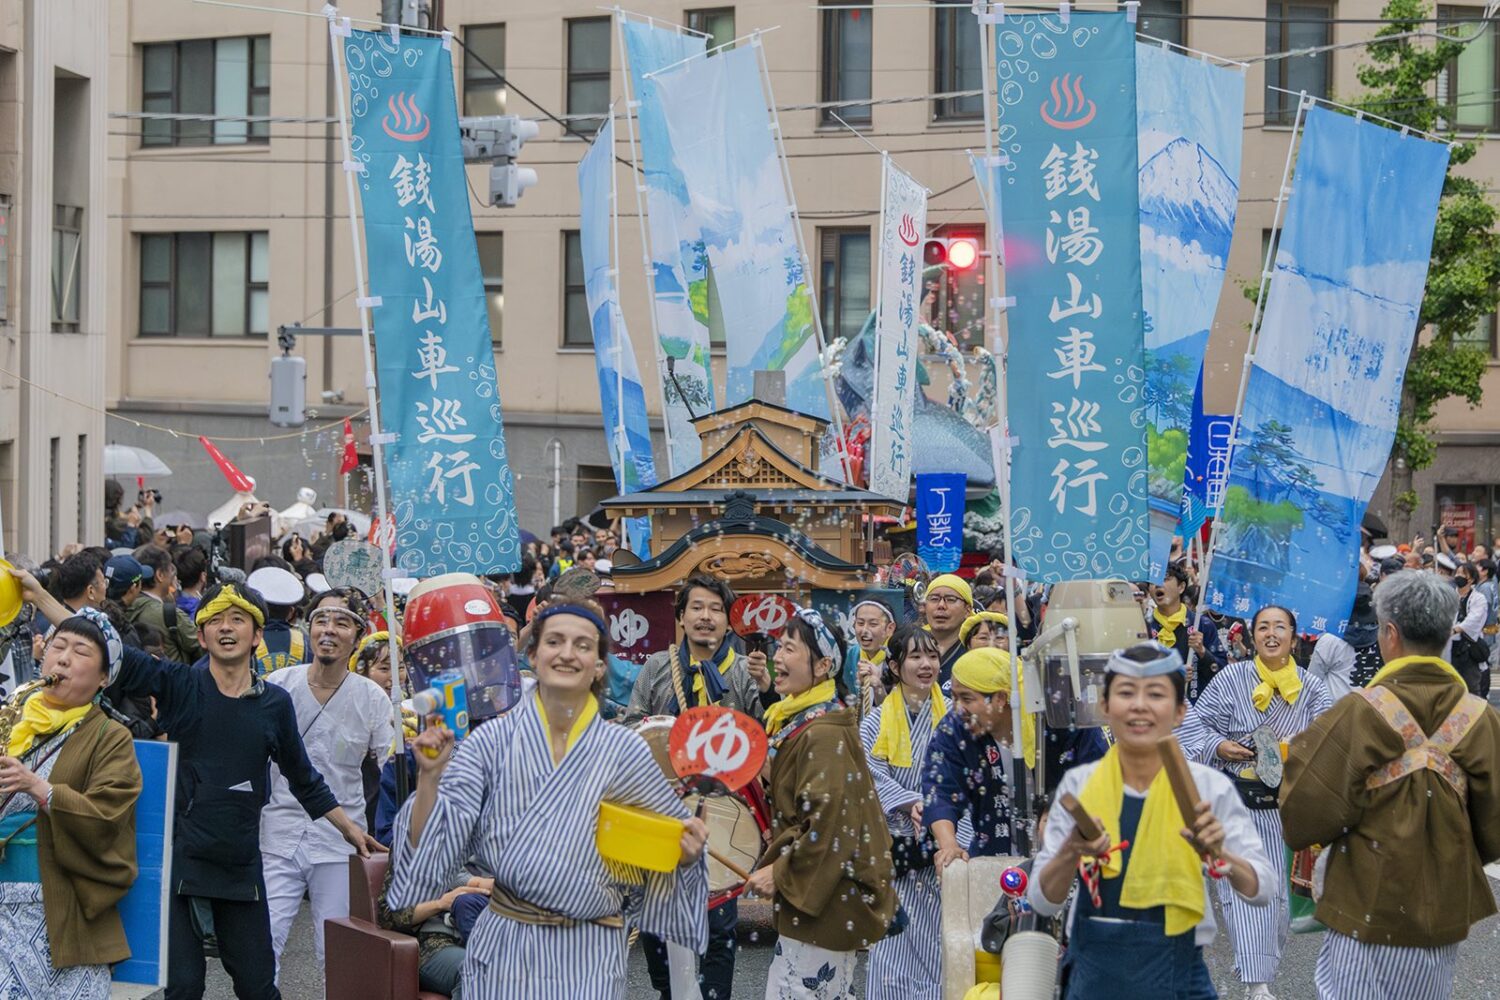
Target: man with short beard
343	717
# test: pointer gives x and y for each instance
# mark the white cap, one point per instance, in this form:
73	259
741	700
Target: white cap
604	567
1380	552
277	586
1446	561
318	583
401	585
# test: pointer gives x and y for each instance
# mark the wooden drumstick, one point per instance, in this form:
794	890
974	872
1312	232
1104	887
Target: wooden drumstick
1088	828
1184	789
721	859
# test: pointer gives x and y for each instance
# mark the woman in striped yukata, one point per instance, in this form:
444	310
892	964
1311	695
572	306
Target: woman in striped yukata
521	796
1269	692
908	966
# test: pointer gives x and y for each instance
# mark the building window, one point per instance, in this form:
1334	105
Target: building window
588	66
1162	19
576	329
83	483
596	483
54	495
1467	88
715	22
4	258
491	266
1483	335
224	76
954	299
1297	26
844	288
958	62
67	271
484	94
847	63
205	284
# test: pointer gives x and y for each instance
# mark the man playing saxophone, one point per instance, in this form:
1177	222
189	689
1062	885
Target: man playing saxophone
68	787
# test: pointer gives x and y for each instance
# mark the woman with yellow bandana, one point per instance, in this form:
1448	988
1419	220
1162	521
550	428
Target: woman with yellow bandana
1271	694
908	966
1141	937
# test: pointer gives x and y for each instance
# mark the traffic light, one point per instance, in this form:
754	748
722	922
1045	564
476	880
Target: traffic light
959	253
497	140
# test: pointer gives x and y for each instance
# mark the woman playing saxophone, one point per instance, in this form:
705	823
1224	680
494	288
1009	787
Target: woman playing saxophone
68	786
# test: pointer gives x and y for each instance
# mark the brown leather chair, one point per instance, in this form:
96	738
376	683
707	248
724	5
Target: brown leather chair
364	961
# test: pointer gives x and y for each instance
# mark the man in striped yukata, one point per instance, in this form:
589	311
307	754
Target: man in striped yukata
1400	781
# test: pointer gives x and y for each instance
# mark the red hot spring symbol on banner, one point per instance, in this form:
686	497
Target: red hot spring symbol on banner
766	613
908	230
1069	109
405	123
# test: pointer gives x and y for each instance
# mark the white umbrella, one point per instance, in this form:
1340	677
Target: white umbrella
128	460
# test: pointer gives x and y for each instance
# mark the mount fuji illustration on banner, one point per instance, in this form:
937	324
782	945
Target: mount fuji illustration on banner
1189	113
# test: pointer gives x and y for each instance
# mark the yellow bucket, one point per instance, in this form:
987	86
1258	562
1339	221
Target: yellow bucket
986	967
639	837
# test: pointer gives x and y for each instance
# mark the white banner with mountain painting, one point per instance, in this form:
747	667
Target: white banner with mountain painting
1321	404
1190	114
717	116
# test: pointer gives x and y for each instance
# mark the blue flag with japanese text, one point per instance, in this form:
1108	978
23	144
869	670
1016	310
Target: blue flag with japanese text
1067	127
1206	466
621	395
1325	388
940	519
450	479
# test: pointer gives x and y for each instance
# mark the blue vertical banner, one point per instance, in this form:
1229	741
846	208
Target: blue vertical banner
450	479
145	908
1206	467
1324	390
720	125
940	519
1190	114
622	398
678	263
1066	104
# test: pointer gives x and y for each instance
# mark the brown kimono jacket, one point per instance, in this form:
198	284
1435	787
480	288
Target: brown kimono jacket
829	840
1405	860
86	843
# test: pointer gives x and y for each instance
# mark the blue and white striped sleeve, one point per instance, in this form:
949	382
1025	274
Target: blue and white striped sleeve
421	872
1208	721
1240	835
893	795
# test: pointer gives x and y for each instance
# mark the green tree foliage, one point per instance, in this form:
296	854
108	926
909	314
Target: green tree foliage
1464	278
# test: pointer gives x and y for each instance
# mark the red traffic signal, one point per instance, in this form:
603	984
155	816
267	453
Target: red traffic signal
959	253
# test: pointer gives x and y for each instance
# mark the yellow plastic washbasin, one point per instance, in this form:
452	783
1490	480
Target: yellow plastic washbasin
986	967
639	837
10	595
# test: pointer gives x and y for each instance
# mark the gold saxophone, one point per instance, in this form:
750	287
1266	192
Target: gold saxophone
10	712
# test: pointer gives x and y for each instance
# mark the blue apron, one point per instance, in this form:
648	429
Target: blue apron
1124	953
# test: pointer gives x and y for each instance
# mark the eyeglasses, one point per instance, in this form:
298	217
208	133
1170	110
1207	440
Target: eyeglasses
944	599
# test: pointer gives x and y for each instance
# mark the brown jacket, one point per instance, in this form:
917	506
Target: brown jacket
829	839
1405	860
86	843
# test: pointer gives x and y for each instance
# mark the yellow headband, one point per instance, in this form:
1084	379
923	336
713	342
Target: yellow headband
369	640
228	597
957	584
972	622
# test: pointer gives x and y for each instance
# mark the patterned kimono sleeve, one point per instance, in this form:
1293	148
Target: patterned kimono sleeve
894	796
421	872
674	905
1209	720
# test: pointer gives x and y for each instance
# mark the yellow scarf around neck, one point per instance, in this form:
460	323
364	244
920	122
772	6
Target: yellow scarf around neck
893	743
1164	871
590	709
1390	668
1284	681
877	658
39	719
1167	625
782	712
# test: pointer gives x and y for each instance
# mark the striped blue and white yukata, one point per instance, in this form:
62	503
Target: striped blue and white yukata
1359	970
532	824
908	966
1225	711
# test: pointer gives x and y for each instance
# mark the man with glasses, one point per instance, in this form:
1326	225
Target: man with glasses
343	717
948	601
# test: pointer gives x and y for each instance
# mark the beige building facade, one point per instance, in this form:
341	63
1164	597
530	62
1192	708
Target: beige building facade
221	231
53	277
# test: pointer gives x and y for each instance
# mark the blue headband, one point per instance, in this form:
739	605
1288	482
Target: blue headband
553	610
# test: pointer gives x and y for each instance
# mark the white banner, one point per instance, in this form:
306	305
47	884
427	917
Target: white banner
903	223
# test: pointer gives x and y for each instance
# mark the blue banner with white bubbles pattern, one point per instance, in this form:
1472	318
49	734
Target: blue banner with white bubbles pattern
1066	102
450	479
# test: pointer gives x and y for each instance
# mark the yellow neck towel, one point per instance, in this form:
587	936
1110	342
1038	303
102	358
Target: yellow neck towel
1406	661
1284	681
893	743
700	686
1164	871
40	719
782	712
877	657
585	716
1167	625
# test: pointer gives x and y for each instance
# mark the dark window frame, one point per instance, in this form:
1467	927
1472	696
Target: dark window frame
1281	109
256	133
572	76
830	68
475	75
574	292
170	285
832	306
1450	16
494	283
696	17
67	219
1178	18
947	24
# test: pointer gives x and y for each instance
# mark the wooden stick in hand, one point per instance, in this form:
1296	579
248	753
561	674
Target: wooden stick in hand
1185	790
739	872
1088	828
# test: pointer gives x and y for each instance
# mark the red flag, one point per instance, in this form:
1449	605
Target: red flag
238	481
351	457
